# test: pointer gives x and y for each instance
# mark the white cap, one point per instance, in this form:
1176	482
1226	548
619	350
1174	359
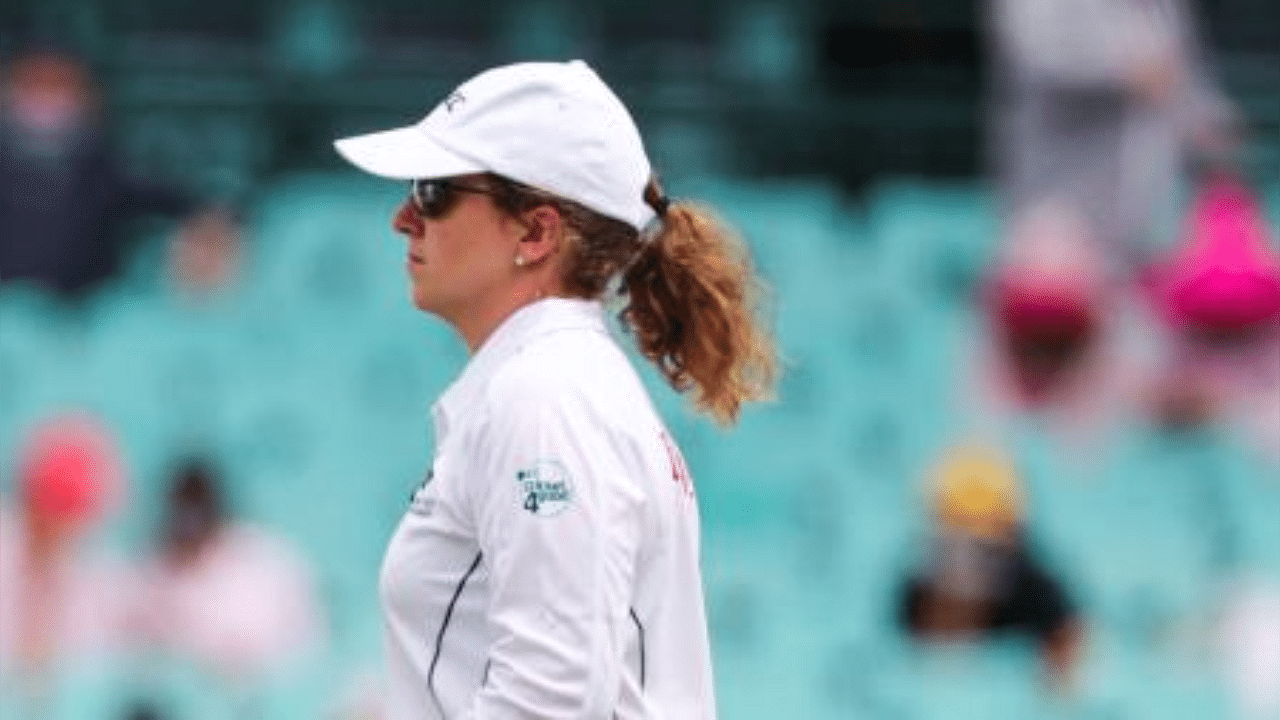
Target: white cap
553	126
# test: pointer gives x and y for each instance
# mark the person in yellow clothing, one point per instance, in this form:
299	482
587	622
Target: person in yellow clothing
981	577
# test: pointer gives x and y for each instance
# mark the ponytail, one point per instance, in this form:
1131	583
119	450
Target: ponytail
693	303
693	293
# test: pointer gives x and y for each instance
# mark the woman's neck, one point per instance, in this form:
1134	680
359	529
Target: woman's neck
479	326
477	322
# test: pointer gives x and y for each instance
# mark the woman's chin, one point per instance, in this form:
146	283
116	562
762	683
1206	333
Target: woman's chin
420	300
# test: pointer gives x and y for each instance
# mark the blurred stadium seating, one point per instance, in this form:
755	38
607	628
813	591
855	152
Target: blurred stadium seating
313	379
313	382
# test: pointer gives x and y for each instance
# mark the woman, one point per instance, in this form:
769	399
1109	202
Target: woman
549	566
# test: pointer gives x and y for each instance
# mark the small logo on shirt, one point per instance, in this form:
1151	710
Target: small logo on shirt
545	488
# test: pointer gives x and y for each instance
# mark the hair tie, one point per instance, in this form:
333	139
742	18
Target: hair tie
661	204
656	197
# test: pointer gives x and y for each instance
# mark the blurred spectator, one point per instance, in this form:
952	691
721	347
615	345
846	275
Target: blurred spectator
1224	282
1098	103
66	202
981	577
1059	340
1219	299
204	258
235	598
1048	304
57	601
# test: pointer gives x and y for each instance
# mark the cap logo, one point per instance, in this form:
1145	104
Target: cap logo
455	99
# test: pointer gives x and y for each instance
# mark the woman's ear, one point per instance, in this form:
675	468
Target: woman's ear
544	229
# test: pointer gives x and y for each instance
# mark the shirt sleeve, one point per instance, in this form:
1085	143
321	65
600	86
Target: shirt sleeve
559	531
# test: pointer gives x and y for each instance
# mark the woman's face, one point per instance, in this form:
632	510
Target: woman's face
463	258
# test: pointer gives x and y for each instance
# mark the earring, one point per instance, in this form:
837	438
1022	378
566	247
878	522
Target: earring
519	261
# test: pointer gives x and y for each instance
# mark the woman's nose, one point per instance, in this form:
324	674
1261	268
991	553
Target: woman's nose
406	220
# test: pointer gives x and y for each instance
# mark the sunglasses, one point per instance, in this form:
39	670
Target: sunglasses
434	198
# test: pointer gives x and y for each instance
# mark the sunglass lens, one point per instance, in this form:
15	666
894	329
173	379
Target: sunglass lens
431	197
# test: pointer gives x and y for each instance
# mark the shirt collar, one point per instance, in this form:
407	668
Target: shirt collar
513	335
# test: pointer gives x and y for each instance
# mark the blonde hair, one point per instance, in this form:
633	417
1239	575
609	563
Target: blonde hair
693	298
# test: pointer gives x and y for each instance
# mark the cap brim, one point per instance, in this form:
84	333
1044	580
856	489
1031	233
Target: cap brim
403	154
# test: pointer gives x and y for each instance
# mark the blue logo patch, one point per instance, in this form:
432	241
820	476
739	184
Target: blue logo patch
545	488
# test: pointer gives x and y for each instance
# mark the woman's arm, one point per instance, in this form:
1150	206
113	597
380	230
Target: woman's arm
559	533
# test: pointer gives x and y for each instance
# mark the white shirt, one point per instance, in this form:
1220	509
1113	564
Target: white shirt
548	567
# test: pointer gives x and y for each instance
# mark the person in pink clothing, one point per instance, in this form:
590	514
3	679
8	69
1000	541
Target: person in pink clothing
1057	343
59	603
238	600
1046	304
1224	282
1219	299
